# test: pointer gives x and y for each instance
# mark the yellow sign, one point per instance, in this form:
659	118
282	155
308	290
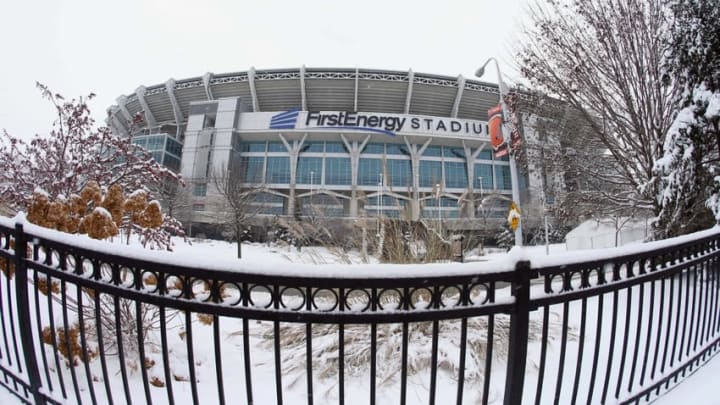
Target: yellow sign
514	216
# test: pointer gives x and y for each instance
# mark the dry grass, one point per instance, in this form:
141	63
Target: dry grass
357	338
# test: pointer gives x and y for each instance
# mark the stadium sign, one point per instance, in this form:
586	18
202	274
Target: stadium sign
388	124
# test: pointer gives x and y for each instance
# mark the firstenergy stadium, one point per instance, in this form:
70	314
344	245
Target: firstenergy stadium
349	143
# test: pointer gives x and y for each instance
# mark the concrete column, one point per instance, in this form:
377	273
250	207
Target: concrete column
293	148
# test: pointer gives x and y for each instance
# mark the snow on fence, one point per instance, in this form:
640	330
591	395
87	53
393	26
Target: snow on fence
87	325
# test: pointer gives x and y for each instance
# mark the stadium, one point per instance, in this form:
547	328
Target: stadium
348	143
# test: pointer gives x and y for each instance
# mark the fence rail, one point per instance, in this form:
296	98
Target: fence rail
84	324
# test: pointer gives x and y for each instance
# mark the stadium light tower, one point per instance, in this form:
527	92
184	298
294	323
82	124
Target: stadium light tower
503	89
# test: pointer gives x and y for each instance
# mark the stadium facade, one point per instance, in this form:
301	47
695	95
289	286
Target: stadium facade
349	143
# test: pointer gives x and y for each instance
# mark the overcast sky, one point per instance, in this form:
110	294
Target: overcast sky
110	48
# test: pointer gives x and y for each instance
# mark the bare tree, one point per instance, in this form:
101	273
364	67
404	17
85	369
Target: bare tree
573	165
176	199
237	199
604	59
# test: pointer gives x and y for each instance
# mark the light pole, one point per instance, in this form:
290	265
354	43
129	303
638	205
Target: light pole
482	207
502	89
437	195
312	182
379	203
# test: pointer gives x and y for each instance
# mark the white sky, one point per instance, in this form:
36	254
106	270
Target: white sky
110	48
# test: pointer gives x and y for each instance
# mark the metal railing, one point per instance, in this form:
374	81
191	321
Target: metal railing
84	322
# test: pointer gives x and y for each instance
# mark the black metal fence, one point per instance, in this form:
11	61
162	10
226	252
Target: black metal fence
82	324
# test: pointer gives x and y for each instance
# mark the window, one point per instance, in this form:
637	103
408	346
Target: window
433	151
251	147
250	168
455	175
314	147
172	163
369	172
278	170
448	208
454	152
399	173
309	170
337	172
268	204
502	175
200	189
140	141
388	206
198	207
174	147
486	154
335	147
156	142
375	148
394	149
209	121
430	173
276	147
484	173
158	155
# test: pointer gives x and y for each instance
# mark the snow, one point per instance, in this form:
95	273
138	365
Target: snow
603	233
39	190
304	265
102	211
699	389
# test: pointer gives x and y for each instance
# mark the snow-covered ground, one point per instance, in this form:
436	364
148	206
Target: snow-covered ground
700	388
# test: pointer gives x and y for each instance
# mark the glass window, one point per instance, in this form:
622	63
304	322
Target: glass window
335	147
200	189
337	171
448	208
483	173
399	173
389	206
278	170
502	176
433	151
309	170
486	154
505	158
251	168
268	204
158	155
454	152
455	175
174	147
198	207
141	141
395	149
172	163
251	147
430	173
276	147
156	142
312	147
376	148
322	204
369	172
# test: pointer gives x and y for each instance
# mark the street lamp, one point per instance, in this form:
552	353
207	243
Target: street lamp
502	88
380	197
312	182
482	207
437	195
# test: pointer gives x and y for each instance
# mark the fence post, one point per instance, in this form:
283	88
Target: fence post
519	326
23	312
